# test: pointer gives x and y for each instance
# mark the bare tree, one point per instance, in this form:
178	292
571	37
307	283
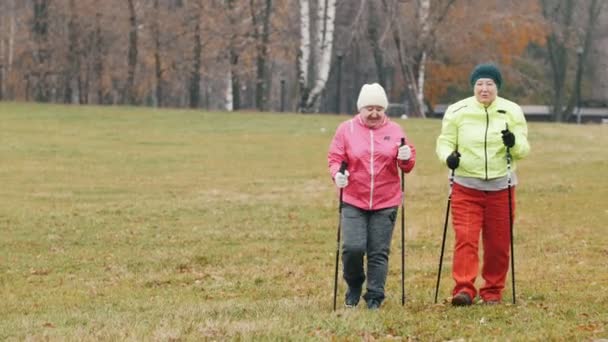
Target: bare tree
132	54
40	28
261	34
72	71
194	88
158	75
98	55
568	34
560	13
593	13
7	55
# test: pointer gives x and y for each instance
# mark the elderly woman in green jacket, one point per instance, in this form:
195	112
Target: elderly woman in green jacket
476	134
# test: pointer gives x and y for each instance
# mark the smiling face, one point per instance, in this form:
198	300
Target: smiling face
372	116
485	90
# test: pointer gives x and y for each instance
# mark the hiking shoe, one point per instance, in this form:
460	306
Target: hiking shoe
462	299
352	297
373	304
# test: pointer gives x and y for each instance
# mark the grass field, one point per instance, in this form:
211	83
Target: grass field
145	224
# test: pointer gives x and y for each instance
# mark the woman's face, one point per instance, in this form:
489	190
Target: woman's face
485	90
372	116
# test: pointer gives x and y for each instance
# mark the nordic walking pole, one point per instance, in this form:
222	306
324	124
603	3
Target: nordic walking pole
402	233
510	218
342	169
445	228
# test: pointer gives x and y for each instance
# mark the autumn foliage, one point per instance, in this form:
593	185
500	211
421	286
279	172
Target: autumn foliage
492	34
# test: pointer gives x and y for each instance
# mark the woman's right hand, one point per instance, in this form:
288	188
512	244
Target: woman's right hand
453	160
341	179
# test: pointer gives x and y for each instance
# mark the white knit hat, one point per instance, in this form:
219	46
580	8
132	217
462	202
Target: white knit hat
372	95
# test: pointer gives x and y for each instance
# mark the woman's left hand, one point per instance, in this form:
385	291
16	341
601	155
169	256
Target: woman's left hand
508	138
405	153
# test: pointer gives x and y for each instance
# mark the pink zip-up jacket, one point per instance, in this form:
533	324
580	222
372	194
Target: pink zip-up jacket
371	154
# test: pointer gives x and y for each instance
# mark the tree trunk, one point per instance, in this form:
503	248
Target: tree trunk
304	53
425	8
84	86
593	12
558	59
262	40
132	54
98	57
233	57
406	72
195	73
71	94
2	48
40	33
229	104
235	81
158	77
11	39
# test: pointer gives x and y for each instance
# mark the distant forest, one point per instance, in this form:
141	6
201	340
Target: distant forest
297	55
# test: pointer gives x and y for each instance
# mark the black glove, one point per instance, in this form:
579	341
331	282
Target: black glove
453	160
508	138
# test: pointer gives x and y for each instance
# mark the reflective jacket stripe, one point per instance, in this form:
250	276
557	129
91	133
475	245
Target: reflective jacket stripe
371	169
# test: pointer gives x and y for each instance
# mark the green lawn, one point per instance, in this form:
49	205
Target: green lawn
146	224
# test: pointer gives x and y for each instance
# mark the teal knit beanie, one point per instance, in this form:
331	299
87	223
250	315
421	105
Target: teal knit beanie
486	71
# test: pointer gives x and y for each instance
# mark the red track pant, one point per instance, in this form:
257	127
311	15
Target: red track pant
476	211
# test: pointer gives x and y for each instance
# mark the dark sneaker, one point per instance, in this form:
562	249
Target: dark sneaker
352	297
462	299
373	304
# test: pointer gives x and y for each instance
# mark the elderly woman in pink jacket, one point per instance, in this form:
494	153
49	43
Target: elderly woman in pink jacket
370	143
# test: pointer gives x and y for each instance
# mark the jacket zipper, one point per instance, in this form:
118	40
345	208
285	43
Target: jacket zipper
485	141
371	169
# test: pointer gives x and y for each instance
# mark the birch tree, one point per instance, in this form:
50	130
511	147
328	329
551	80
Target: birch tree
316	42
413	26
423	20
233	93
425	40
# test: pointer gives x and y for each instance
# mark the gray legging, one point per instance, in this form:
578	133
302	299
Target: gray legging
367	232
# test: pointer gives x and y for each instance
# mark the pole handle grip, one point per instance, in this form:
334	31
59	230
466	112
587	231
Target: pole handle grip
343	166
402	141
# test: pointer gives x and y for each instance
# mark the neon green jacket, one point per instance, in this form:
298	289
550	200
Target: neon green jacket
475	131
